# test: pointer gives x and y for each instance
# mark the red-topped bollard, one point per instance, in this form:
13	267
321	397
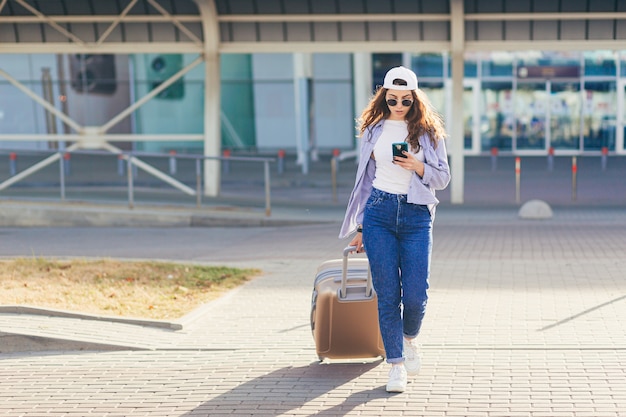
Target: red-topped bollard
605	154
121	165
550	158
336	153
66	163
494	158
172	162
334	168
518	173
12	163
225	162
281	161
574	175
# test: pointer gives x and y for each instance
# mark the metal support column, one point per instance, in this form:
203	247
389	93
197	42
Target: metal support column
302	77
212	126
457	167
362	75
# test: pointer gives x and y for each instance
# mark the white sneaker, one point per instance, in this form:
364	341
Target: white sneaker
412	360
397	379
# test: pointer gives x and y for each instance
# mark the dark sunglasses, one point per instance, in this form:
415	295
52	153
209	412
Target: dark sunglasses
392	102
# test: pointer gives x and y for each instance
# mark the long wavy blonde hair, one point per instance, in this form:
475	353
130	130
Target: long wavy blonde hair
422	117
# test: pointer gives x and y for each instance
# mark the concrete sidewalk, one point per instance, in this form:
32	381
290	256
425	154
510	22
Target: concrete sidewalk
525	319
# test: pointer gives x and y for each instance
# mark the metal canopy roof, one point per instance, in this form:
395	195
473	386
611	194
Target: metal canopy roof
246	26
122	26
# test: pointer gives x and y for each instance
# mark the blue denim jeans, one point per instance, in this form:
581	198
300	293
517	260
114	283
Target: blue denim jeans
397	236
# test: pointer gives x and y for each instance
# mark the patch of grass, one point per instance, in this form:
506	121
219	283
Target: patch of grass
145	289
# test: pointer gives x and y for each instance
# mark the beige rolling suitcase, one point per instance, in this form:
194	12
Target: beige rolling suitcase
344	311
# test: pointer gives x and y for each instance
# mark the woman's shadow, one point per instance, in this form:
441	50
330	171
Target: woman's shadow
291	388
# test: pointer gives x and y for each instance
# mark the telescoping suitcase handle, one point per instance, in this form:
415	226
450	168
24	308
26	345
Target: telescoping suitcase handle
344	274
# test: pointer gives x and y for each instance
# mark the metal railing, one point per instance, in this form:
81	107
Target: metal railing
131	160
334	167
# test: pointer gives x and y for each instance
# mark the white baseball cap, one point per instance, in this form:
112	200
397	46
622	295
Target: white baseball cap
400	73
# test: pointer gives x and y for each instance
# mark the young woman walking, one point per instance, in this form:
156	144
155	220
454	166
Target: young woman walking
392	207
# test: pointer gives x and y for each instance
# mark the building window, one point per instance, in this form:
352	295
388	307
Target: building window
600	63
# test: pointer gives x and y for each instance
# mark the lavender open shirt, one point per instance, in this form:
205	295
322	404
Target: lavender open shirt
421	190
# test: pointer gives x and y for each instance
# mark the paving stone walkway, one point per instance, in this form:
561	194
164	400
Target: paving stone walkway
525	318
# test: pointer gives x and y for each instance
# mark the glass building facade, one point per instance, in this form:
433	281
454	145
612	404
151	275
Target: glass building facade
516	102
533	102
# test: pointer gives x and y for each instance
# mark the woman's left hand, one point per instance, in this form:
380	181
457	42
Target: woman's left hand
410	162
357	241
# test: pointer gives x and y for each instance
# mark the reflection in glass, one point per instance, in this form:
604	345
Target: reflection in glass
600	63
470	68
498	110
599	112
565	115
622	117
530	108
435	93
427	65
468	120
381	64
498	64
549	58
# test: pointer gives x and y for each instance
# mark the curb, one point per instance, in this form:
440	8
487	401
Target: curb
32	214
16	342
13	342
17	309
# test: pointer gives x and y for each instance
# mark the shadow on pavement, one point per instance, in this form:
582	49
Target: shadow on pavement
292	388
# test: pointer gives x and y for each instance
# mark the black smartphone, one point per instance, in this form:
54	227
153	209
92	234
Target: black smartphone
397	149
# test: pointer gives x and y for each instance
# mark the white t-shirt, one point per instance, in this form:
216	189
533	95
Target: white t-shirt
390	177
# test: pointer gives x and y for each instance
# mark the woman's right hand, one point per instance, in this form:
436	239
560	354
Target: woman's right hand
357	241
